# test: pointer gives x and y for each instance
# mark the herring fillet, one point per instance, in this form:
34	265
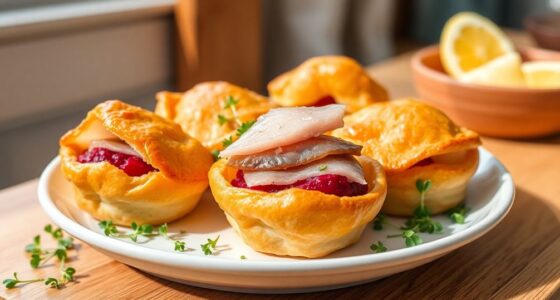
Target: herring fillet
286	126
294	155
343	165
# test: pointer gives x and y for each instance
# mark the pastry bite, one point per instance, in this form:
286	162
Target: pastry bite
415	141
326	80
128	165
287	189
202	112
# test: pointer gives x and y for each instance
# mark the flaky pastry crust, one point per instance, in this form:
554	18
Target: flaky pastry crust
337	76
107	192
298	222
402	133
197	110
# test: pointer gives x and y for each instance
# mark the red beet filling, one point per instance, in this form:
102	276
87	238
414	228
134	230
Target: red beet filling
130	164
325	101
328	184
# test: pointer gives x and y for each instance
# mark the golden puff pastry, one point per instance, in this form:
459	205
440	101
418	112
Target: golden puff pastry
105	191
327	78
415	141
198	109
294	221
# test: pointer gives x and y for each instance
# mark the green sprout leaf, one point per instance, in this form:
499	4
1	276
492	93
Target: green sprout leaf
378	247
379	221
230	102
244	127
227	142
458	214
52	282
210	246
322	168
216	154
179	246
222	120
108	227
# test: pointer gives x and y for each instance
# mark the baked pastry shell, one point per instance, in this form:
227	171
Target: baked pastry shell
448	189
297	222
337	76
108	193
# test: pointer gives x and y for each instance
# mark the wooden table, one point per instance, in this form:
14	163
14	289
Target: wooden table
519	258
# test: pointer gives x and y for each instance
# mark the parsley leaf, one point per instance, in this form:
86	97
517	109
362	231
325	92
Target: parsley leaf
244	127
180	246
222	120
227	142
379	221
378	247
230	102
216	154
209	246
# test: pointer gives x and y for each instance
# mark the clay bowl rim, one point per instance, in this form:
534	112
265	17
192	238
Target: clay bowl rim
428	72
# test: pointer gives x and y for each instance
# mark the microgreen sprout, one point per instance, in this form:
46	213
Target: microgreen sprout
458	214
378	247
40	255
210	246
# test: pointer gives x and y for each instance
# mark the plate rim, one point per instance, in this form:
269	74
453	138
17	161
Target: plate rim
220	265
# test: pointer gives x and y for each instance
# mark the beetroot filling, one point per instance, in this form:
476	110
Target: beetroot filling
325	101
328	184
130	164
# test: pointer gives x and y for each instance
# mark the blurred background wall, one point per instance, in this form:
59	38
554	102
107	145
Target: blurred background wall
59	58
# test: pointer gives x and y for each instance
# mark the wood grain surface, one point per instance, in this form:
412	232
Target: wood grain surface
520	258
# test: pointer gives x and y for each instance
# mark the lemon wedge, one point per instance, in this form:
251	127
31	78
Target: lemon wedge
542	74
469	41
502	71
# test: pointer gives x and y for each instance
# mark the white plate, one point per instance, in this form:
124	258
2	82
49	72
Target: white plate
490	196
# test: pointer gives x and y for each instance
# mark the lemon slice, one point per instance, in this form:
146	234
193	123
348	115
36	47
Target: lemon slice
502	71
542	74
470	40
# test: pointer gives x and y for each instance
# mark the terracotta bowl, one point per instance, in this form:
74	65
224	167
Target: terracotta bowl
492	111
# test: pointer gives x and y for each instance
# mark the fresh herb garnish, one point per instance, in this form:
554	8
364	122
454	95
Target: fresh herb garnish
227	142
458	213
421	221
231	104
179	246
222	120
109	229
378	247
143	230
146	230
244	127
210	246
216	154
39	256
243	257
379	221
10	283
322	168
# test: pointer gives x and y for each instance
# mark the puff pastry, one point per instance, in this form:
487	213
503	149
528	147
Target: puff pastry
415	141
197	110
298	222
327	78
181	164
288	190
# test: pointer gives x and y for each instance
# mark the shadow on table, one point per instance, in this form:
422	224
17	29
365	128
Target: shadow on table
477	270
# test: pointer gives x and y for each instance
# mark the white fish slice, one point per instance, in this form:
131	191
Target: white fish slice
343	165
294	155
115	146
286	126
